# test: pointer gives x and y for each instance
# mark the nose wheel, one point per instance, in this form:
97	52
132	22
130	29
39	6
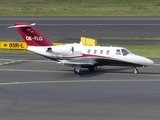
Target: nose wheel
135	71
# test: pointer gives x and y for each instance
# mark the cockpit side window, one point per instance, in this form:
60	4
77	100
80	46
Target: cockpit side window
124	52
118	52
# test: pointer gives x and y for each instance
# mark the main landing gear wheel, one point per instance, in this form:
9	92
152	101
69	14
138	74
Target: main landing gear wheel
91	69
135	71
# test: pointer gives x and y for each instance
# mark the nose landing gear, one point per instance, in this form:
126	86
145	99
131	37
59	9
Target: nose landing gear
135	70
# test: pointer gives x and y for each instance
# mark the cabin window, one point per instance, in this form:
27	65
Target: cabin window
95	51
107	52
118	52
88	51
101	52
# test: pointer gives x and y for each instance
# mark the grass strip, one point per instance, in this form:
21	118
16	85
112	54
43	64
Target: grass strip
12	51
127	38
79	7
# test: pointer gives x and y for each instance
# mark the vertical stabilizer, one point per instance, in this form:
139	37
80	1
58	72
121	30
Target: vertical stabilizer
31	35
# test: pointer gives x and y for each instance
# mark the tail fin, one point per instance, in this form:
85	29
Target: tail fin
30	35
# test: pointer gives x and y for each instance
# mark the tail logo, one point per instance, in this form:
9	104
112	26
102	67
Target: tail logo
35	38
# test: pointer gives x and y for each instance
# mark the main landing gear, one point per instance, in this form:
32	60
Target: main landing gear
135	70
77	69
91	69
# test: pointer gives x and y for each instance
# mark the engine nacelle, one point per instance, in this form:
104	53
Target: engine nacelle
66	49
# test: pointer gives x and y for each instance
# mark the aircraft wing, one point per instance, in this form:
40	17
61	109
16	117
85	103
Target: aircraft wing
68	63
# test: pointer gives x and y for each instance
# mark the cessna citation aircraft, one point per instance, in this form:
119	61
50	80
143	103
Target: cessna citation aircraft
77	55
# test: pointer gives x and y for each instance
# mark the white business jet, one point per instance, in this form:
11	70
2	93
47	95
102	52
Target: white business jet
77	55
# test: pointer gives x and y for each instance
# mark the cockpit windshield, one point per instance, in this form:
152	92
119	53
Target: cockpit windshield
125	52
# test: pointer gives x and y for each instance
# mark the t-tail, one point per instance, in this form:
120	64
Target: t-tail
30	35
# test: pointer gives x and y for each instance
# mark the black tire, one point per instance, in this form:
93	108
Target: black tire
135	71
91	69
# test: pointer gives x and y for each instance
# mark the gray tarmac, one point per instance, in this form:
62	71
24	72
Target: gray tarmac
70	29
35	88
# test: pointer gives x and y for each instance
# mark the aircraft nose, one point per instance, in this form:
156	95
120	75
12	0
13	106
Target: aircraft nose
148	62
144	61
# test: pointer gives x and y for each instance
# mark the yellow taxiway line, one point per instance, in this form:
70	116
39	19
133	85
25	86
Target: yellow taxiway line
74	81
56	71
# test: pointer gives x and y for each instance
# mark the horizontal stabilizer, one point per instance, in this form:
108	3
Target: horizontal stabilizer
24	25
